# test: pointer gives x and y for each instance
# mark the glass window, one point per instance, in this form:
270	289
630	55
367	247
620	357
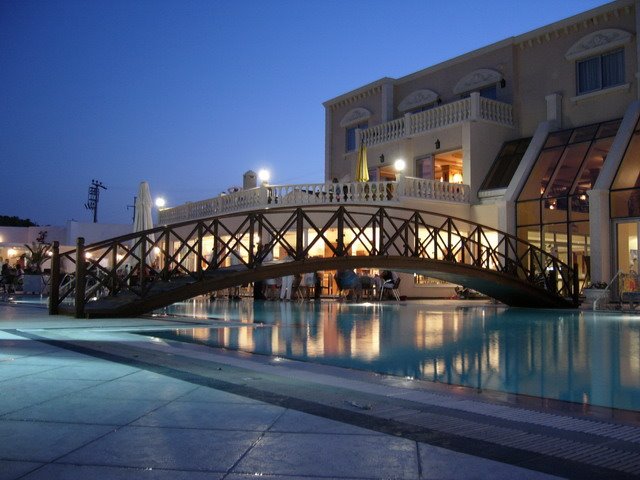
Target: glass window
424	167
592	165
487	92
351	136
625	203
505	164
541	173
609	129
583	134
628	175
528	213
600	71
558	138
579	207
565	173
625	189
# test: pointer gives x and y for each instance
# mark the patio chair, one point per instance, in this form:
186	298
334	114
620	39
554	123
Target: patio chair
391	285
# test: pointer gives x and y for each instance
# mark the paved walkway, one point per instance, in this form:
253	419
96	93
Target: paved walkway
99	399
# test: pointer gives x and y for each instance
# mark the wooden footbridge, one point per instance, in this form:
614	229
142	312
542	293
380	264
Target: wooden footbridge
140	272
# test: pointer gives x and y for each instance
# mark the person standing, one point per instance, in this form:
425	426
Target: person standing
287	283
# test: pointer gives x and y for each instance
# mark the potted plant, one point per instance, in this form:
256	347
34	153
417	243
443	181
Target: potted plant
38	254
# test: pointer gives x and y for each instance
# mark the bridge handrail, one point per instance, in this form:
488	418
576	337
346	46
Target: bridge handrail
374	192
130	265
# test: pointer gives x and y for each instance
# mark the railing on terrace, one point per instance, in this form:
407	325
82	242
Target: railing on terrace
375	193
468	109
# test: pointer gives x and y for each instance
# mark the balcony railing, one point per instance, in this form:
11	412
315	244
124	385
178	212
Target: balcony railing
468	109
381	192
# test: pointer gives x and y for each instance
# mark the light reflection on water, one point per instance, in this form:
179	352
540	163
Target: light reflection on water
585	357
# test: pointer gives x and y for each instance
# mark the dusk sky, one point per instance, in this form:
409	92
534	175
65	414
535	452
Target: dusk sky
188	95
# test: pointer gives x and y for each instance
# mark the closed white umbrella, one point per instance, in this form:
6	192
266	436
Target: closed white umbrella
143	218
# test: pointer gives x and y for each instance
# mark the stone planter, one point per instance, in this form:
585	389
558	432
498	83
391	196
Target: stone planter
600	295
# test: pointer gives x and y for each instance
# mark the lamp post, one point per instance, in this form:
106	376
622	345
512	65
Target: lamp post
264	175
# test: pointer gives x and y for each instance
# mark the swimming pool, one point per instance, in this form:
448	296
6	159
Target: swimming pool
591	358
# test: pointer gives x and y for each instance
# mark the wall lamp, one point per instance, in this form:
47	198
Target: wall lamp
437	144
503	83
381	158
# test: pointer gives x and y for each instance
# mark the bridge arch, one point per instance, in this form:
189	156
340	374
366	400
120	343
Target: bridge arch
136	273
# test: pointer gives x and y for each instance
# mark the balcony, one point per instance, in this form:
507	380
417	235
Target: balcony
474	108
374	193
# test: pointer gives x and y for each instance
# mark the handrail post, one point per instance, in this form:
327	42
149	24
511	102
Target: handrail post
340	239
216	247
576	285
299	234
199	252
252	243
167	255
114	270
142	261
54	280
81	270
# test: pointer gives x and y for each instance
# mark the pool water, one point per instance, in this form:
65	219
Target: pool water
577	356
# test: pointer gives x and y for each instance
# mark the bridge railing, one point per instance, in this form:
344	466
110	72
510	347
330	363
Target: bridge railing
374	193
134	264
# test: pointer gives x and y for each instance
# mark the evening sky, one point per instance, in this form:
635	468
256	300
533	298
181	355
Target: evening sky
188	95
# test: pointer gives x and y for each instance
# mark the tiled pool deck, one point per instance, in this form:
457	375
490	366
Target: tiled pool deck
89	399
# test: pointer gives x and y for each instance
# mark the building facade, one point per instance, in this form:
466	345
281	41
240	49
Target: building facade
542	129
536	136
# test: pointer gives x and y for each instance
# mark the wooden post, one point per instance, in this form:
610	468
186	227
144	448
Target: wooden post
54	280
81	270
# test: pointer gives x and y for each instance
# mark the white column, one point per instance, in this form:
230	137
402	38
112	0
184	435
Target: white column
474	111
328	140
599	223
387	102
407	125
554	109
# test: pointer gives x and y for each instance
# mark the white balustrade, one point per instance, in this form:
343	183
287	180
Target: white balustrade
442	116
376	192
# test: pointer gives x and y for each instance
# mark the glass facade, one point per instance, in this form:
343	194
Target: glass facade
552	210
505	164
625	190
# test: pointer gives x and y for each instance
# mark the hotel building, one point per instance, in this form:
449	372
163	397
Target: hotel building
536	135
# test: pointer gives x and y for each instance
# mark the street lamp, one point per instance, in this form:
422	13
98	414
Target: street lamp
160	202
399	165
264	175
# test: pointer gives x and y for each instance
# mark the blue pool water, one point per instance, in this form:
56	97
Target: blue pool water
586	357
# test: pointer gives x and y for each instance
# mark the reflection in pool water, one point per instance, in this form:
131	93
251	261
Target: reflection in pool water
578	356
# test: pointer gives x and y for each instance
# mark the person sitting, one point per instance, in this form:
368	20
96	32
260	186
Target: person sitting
390	281
348	281
8	276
